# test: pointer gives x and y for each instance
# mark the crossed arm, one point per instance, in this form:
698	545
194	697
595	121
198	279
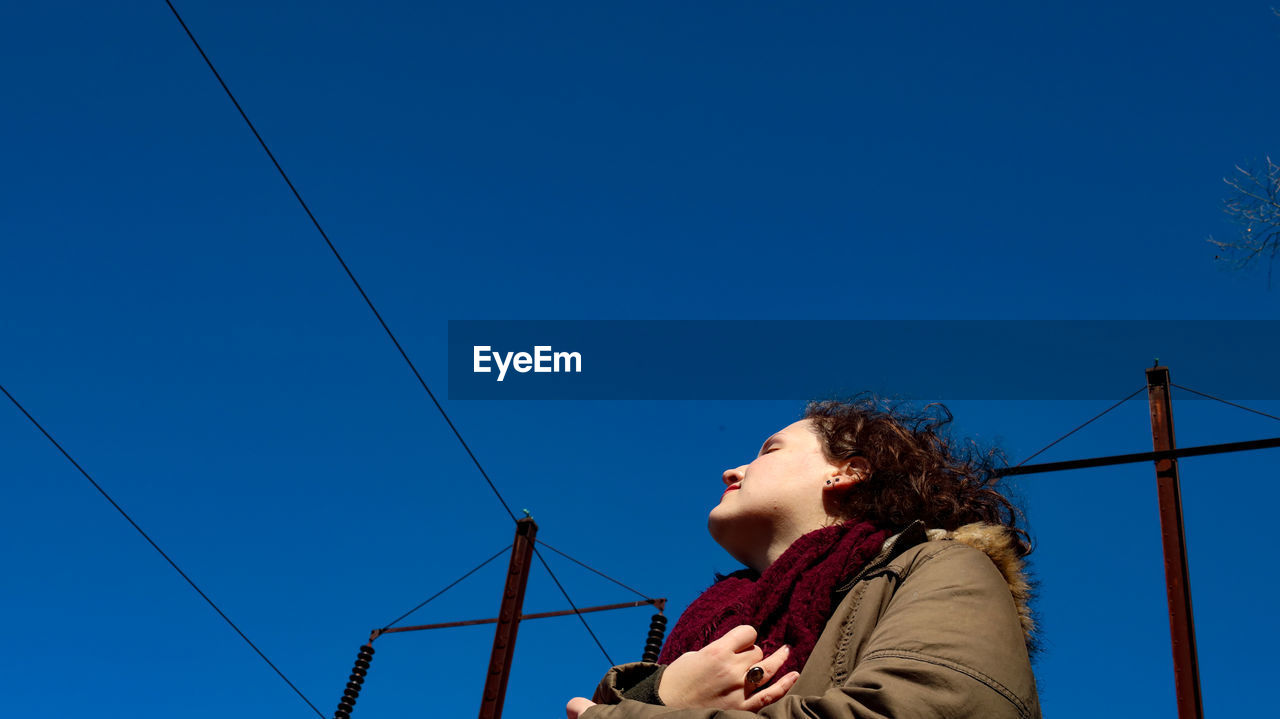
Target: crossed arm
949	643
716	677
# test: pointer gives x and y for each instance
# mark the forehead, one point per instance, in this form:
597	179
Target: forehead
804	426
796	431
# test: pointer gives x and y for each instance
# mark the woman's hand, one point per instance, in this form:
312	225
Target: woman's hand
576	706
716	675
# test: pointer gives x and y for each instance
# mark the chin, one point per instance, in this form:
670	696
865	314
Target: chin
729	534
718	525
721	521
716	522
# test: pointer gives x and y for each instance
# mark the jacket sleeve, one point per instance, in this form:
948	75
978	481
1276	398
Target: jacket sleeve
637	680
948	643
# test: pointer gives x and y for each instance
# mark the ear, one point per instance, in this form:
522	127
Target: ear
849	473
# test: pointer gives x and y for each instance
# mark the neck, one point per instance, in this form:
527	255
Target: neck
782	539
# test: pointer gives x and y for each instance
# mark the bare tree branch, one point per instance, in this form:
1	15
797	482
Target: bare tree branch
1254	205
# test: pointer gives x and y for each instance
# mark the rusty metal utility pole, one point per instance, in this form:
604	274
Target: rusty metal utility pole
504	637
1186	670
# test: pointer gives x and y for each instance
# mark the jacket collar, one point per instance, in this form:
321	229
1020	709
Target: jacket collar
992	540
893	546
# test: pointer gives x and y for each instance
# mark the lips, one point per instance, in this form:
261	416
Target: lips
730	488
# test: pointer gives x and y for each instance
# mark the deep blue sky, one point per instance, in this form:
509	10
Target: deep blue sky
171	316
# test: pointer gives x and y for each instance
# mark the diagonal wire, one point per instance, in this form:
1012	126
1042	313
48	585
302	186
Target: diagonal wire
1077	429
297	195
1219	399
636	592
571	604
155	546
452	584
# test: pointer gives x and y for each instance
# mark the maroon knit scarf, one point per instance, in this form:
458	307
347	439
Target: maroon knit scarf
788	604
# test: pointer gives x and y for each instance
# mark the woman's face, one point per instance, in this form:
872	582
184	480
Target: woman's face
776	498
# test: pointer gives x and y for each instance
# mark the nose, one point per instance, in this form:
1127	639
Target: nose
735	475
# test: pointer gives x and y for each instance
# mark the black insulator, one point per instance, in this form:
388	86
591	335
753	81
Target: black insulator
349	695
653	642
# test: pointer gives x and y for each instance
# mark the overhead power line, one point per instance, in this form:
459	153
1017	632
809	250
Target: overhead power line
351	275
572	605
298	196
1077	429
155	546
451	585
1219	399
636	592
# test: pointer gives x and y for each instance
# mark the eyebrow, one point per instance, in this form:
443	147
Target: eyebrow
766	443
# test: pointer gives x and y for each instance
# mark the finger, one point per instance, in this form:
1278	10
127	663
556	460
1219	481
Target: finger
576	706
772	663
739	639
771	694
769	666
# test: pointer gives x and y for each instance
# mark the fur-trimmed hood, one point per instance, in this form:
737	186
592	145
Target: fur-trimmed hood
998	543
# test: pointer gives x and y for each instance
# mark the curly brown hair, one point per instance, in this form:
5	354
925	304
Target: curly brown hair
917	470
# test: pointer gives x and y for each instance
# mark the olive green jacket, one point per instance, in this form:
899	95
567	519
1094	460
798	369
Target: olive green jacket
935	626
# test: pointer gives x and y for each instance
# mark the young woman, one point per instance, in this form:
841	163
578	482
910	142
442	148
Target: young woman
884	579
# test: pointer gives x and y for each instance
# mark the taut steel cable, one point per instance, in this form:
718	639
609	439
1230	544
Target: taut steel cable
155	546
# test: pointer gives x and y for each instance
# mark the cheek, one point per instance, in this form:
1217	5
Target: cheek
819	468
